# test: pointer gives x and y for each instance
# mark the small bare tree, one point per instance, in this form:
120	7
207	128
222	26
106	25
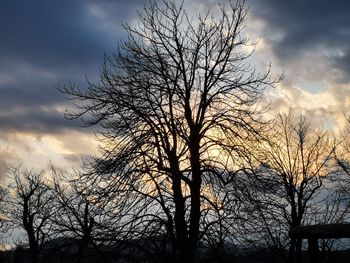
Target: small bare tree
29	206
81	216
2	214
343	161
294	160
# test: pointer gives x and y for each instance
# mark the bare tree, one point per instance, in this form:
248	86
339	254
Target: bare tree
176	103
294	161
343	161
262	223
29	206
3	193
81	216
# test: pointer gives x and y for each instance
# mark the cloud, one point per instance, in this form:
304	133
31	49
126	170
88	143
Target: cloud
64	150
328	107
46	33
308	32
37	121
7	158
309	41
45	43
57	33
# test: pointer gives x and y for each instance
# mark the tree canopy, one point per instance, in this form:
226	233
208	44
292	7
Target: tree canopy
176	103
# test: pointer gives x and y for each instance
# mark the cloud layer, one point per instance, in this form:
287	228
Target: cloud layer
308	32
309	41
46	43
43	44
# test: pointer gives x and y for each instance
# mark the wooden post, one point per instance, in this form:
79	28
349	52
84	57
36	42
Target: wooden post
313	250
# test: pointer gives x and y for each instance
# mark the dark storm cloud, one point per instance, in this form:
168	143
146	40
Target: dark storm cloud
53	33
45	33
39	121
300	28
28	92
43	43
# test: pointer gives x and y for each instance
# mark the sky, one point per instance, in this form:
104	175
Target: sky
46	44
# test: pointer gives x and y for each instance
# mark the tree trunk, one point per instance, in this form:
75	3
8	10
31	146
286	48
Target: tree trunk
195	197
298	250
34	255
81	249
33	245
291	251
180	222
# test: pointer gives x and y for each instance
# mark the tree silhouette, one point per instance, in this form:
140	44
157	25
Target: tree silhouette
3	193
343	161
176	103
294	160
80	216
29	206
